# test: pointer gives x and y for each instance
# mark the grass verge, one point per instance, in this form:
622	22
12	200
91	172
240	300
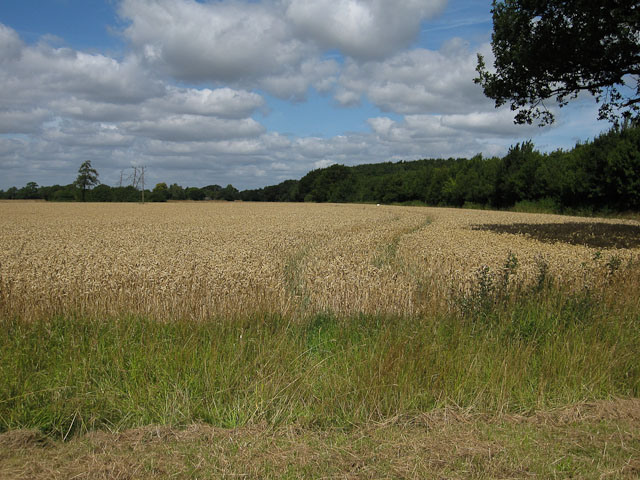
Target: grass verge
598	440
70	375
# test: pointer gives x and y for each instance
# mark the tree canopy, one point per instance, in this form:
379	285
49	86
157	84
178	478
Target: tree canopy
87	178
556	49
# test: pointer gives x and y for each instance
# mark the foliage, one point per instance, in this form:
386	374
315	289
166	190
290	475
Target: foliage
229	193
29	191
160	193
125	194
87	178
101	193
556	49
64	194
176	192
194	193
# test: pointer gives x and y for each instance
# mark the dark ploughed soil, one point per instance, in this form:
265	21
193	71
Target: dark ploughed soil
596	235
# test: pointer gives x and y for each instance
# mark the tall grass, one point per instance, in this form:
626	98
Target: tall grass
545	348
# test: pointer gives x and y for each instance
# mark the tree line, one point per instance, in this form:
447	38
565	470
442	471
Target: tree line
600	175
105	193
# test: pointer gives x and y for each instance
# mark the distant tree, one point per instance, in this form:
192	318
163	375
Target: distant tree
286	191
194	193
437	180
11	193
176	192
212	192
87	178
555	49
29	191
230	193
307	184
64	194
390	189
125	194
332	184
516	175
102	193
160	193
44	193
256	195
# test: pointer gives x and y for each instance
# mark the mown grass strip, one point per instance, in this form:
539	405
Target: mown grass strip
587	441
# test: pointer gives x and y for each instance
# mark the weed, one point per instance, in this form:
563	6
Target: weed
508	271
543	279
613	264
479	301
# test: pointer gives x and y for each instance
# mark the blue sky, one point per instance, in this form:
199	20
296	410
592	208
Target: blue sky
83	24
248	92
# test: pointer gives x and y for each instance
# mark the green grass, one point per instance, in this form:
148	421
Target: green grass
69	375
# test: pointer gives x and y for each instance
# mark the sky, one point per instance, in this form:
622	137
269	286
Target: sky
249	92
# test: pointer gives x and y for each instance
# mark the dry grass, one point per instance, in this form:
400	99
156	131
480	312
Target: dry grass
592	441
199	260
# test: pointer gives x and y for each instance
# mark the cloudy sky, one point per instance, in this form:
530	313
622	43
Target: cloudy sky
248	92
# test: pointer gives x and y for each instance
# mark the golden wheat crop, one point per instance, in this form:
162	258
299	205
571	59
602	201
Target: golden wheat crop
196	260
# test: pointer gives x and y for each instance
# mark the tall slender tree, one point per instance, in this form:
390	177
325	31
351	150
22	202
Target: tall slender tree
87	178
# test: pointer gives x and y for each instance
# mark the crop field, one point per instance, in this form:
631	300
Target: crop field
206	340
196	261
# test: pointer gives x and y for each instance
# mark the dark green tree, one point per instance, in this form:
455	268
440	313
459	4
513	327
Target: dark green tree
46	192
65	193
212	192
160	193
11	193
229	193
102	193
516	175
125	194
194	193
556	49
29	191
87	178
176	192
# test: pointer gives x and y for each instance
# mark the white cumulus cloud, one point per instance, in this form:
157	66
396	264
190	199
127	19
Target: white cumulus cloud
216	41
362	29
417	81
221	102
185	128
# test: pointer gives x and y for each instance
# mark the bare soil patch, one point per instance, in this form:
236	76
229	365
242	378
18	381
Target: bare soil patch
591	234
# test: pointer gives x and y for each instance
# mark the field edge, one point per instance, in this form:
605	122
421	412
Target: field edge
586	440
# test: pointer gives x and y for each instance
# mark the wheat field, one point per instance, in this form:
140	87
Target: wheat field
294	328
202	260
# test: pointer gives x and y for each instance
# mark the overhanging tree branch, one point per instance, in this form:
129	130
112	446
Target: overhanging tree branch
558	48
